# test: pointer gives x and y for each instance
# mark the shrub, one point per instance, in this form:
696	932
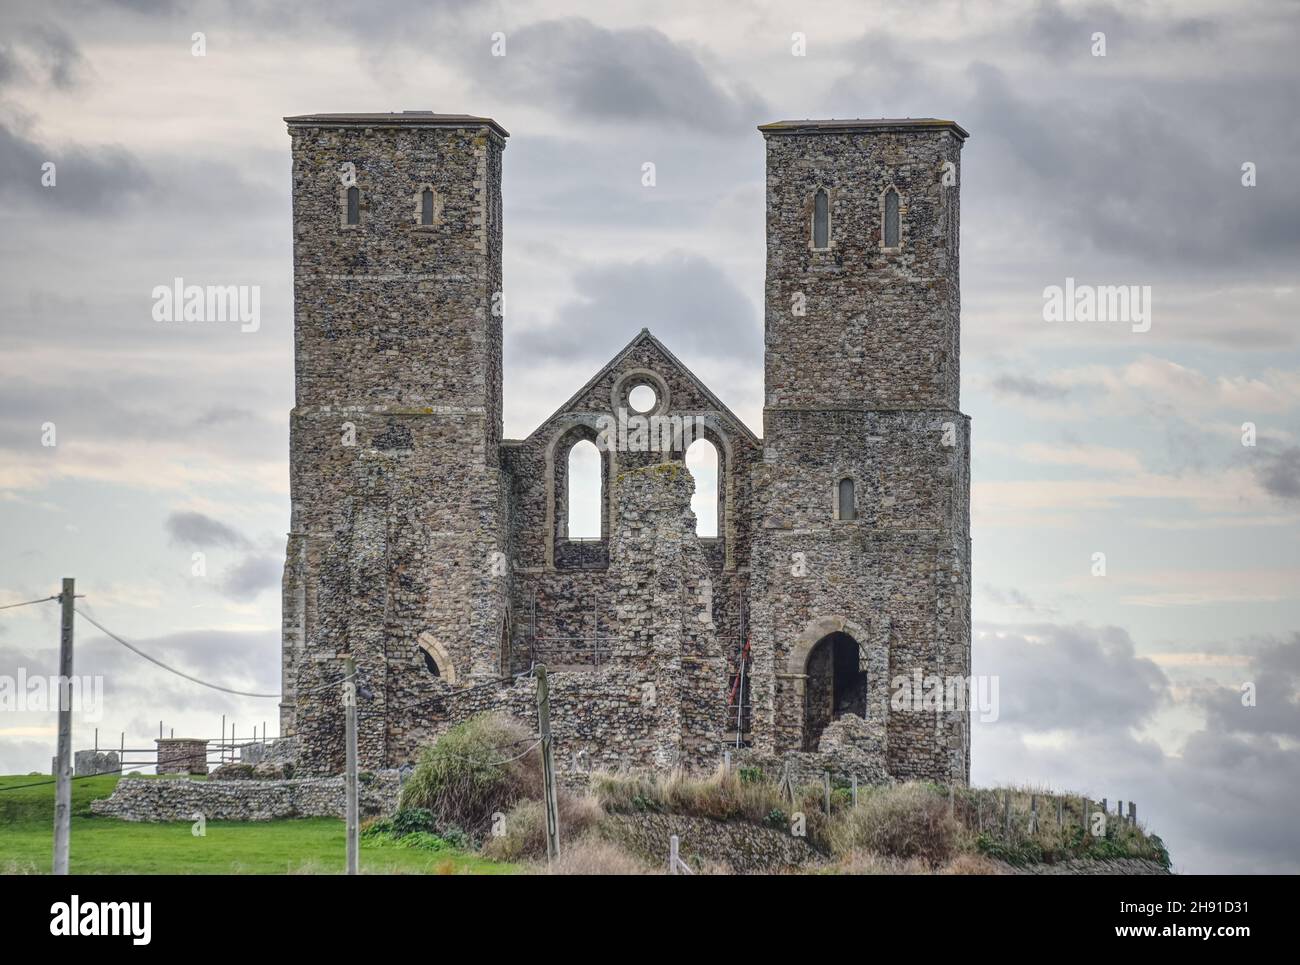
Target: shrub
525	827
468	775
405	821
901	821
422	840
411	820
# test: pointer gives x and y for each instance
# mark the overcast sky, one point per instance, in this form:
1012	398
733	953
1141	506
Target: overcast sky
171	438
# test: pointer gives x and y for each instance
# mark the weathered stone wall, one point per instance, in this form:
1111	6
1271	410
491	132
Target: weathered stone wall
182	755
437	554
703	842
862	384
398	500
181	799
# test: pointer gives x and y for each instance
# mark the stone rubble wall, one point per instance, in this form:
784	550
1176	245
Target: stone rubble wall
862	384
742	847
182	799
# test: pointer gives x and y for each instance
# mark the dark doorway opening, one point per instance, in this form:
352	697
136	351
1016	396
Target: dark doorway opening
835	686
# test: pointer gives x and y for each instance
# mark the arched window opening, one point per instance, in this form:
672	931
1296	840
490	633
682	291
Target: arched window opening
836	685
584	491
426	207
847	504
436	659
354	205
430	664
891	218
821	219
702	461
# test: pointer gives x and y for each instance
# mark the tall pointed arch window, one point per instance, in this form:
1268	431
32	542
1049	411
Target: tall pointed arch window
821	226
891	228
847	505
354	205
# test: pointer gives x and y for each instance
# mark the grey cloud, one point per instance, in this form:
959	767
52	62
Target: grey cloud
42	54
1028	388
250	576
1013	598
616	74
684	299
1070	677
89	180
1222	804
196	529
1275	672
1140	183
1055	31
1279	472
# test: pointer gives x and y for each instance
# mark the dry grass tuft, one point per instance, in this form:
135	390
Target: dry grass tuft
525	827
592	855
904	821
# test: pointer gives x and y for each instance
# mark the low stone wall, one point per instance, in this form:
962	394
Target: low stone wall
182	799
1117	866
85	763
742	847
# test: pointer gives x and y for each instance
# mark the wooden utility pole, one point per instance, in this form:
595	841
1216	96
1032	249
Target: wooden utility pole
548	766
63	776
350	778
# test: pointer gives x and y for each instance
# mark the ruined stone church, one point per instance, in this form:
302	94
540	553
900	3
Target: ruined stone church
436	553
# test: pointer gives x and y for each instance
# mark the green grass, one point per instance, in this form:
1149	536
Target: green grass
102	845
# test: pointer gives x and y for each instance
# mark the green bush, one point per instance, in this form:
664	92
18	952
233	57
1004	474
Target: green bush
422	840
469	774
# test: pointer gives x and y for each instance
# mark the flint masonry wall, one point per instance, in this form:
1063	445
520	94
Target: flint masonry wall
437	554
398	500
862	384
180	799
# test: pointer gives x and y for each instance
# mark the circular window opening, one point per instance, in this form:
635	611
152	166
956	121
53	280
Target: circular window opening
642	398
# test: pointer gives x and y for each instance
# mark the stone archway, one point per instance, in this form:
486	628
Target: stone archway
835	685
436	654
826	659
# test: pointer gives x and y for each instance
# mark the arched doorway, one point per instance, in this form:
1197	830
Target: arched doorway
835	685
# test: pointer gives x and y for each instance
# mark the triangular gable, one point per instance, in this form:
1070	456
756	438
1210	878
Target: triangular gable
645	338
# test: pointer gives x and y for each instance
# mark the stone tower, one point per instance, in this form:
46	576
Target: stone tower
398	541
861	560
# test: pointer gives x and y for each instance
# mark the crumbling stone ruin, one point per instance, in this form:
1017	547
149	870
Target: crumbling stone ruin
436	553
